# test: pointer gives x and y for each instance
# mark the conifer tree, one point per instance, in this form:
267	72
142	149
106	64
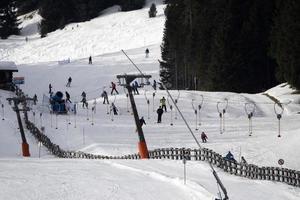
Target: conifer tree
285	46
152	11
8	19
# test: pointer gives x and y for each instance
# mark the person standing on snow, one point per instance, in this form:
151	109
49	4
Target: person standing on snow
90	60
69	82
105	97
35	99
68	97
159	112
50	88
113	88
154	84
163	103
147	53
84	102
142	121
135	86
203	137
114	109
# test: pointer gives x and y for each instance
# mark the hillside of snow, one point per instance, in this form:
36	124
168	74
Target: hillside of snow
110	32
103	38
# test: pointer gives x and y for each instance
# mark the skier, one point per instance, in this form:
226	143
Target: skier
135	86
203	137
90	60
243	160
84	102
230	157
154	84
50	88
142	121
163	103
147	53
68	97
113	88
114	109
105	97
34	99
159	112
69	82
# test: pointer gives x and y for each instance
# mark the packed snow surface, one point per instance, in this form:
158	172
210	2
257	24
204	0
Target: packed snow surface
64	53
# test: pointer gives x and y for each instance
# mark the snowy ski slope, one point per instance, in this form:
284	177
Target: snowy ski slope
103	38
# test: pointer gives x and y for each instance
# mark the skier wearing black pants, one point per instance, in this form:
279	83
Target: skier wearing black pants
159	112
105	97
68	97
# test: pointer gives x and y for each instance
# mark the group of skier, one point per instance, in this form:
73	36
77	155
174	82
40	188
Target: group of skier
113	109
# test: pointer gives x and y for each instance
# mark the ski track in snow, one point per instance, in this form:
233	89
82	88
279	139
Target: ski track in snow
195	191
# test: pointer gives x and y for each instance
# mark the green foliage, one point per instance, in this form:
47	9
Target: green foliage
8	19
152	11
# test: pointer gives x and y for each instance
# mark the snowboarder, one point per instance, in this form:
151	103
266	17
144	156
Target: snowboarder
105	97
203	137
50	88
69	82
34	99
230	157
147	53
163	103
113	88
159	112
68	97
90	60
114	109
84	102
154	84
243	160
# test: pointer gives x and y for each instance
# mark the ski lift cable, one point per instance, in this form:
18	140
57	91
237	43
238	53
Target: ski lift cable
197	142
193	135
